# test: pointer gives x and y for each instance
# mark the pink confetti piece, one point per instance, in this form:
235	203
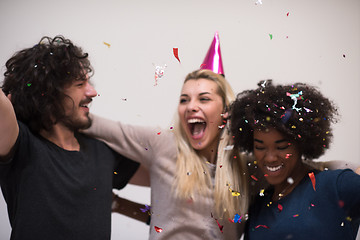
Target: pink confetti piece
280	207
264	226
220	226
253	177
313	181
176	53
157	229
296	215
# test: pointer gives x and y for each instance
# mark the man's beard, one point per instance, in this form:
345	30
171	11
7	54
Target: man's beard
76	124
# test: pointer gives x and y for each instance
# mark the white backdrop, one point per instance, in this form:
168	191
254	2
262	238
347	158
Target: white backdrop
312	41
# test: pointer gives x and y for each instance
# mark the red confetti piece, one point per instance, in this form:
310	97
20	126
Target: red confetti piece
220	227
158	133
264	226
253	177
313	181
176	53
341	203
202	65
157	229
231	220
280	207
220	166
287	14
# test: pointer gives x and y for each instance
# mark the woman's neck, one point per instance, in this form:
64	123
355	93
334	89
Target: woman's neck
285	188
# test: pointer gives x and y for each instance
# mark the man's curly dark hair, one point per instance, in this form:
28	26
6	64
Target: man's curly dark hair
35	77
298	111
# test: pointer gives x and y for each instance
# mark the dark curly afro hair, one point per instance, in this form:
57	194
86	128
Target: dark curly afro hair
298	111
35	77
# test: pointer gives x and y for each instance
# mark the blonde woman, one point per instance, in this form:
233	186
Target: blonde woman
198	183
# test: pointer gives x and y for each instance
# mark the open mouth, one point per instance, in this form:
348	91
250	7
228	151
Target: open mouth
85	103
197	127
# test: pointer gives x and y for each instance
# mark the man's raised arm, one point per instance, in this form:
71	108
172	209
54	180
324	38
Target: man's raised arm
9	128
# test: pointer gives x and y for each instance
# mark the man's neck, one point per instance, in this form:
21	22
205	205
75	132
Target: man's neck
62	136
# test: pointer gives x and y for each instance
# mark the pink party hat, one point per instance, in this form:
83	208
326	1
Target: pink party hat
213	59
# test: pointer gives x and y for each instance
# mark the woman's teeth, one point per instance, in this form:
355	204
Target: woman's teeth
274	169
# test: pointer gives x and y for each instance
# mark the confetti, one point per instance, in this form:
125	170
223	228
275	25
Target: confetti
287	14
280	207
264	226
176	53
147	208
235	194
271	36
29	84
313	181
296	215
157	229
220	226
262	192
341	203
115	173
253	177
237	218
202	65
159	73
107	44
290	180
295	97
158	133
229	147
343	55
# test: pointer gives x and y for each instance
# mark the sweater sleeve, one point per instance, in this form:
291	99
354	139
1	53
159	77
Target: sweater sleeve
134	142
348	185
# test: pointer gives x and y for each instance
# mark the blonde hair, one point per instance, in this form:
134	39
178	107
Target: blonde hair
231	170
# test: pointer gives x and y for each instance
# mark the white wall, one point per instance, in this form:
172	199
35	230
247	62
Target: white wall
308	46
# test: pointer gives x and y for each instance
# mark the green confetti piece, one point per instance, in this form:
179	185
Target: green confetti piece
29	84
270	36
